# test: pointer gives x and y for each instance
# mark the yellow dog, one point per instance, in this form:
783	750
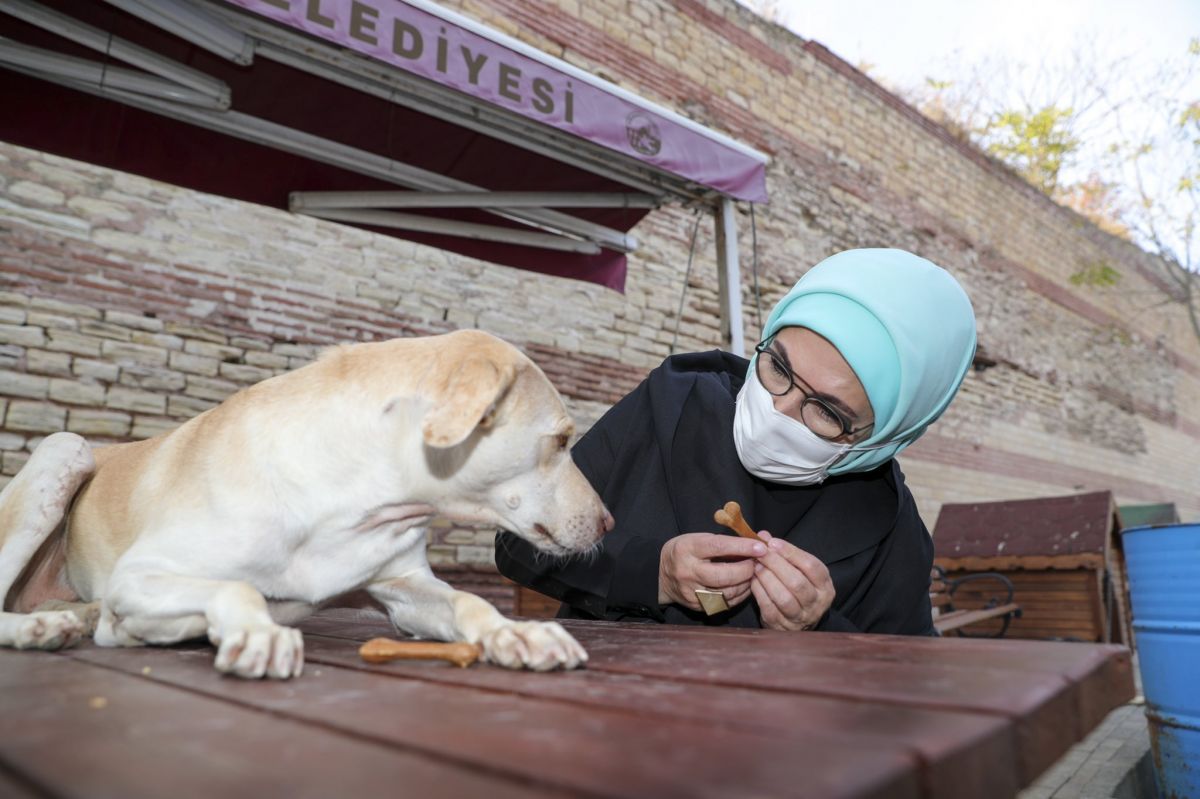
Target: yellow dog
295	490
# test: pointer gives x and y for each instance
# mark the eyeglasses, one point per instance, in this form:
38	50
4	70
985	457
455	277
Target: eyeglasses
817	414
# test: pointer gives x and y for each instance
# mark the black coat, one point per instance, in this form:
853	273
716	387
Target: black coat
663	460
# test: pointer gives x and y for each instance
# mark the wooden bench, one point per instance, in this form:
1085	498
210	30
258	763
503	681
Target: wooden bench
948	618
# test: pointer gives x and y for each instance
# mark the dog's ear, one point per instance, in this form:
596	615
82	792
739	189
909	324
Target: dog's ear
465	397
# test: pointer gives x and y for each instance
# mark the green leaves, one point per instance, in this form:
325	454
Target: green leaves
1097	274
1036	144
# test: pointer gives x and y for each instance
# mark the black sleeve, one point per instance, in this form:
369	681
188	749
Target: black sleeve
835	622
909	612
891	593
919	621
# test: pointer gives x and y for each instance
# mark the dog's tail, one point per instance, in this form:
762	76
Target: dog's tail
33	504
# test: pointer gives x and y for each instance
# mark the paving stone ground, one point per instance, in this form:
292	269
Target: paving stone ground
1096	767
1100	766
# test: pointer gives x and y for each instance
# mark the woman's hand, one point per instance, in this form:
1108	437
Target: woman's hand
793	588
704	560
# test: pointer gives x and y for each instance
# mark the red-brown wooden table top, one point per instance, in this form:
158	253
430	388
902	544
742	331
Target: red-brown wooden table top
658	712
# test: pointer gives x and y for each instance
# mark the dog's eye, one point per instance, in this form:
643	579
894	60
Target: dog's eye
562	441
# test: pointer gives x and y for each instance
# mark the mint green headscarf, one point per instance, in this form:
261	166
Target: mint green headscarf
903	324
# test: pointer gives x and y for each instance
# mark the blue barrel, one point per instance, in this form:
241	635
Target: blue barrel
1164	586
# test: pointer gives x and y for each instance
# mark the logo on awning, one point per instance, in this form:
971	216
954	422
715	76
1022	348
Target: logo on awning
643	134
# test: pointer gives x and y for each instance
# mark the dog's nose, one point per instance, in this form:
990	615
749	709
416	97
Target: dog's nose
608	522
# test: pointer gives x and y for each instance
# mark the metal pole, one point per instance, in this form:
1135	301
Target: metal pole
310	200
729	279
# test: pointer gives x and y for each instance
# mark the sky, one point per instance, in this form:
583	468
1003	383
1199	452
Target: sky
901	43
906	39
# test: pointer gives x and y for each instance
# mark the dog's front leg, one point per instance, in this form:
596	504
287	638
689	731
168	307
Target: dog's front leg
423	605
160	608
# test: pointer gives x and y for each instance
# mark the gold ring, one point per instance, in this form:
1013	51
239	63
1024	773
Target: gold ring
713	602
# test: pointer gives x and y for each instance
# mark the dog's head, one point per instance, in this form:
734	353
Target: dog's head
496	435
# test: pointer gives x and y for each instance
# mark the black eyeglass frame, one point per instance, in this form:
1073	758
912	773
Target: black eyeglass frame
764	348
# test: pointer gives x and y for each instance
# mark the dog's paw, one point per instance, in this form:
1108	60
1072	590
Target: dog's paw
52	629
537	645
263	650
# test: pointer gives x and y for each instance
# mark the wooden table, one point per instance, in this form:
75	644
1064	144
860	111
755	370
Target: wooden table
659	712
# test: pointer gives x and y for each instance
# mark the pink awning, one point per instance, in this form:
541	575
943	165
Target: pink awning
501	118
454	51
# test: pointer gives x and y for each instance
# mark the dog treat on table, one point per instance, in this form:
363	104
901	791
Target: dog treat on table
382	650
731	517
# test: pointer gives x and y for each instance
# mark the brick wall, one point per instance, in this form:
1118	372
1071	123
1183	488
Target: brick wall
127	306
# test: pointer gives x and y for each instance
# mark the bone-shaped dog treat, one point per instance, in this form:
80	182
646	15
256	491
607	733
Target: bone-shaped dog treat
381	650
731	517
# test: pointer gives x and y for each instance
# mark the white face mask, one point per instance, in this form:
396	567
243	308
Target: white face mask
776	447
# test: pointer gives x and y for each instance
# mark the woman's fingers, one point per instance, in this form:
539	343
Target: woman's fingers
792	578
708	546
810	565
804	574
705	560
797	583
782	596
736	595
793	588
722	575
771	616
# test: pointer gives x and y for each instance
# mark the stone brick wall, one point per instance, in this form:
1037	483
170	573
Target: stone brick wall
128	306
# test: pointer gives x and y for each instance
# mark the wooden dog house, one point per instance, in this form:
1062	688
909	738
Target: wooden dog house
1062	554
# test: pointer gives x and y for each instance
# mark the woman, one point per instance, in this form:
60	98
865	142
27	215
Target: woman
857	360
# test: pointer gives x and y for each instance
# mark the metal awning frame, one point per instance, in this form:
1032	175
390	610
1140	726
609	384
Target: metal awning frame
94	78
186	94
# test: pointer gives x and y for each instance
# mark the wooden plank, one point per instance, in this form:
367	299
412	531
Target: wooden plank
1066	608
962	618
1022	657
605	752
974	601
1065	631
1037	656
1105	682
957	751
1123	625
1029	683
355	624
661	711
1058	604
78	730
1073	635
1041	711
1031	563
1078	618
1033	684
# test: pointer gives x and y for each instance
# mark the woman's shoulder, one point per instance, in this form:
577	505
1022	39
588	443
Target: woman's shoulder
701	369
695	382
716	361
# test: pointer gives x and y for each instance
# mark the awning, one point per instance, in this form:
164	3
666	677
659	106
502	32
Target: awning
402	117
454	51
